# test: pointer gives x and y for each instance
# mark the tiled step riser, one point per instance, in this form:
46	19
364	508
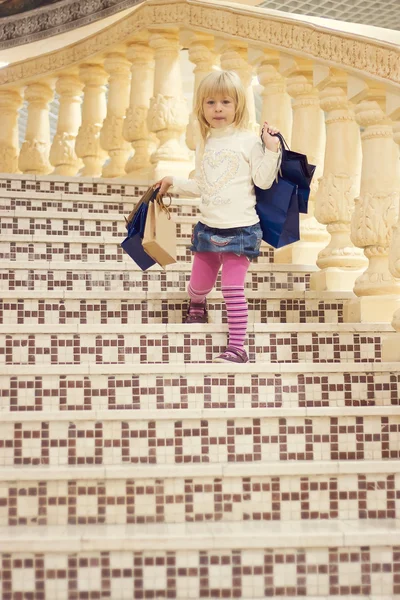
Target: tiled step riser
90	252
68	206
84	228
95	348
48	280
200	499
198	441
124	312
59	393
316	572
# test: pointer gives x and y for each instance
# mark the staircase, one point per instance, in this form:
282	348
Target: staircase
134	467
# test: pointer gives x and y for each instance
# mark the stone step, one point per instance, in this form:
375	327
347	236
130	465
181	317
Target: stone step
196	560
65	307
41	345
87	227
71	250
153	437
49	276
293	491
165	387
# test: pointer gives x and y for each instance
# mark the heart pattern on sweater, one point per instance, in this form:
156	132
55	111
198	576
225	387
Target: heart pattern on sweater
218	169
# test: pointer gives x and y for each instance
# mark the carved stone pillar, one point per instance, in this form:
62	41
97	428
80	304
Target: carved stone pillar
111	137
168	114
10	102
201	54
34	154
234	58
276	102
135	129
93	114
308	137
391	345
62	154
377	208
340	262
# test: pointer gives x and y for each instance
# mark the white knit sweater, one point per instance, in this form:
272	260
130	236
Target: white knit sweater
232	162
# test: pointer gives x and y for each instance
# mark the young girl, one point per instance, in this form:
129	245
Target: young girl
229	161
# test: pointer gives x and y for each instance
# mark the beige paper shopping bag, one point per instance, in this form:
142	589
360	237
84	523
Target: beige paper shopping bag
159	240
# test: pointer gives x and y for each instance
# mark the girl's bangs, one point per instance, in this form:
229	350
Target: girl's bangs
221	86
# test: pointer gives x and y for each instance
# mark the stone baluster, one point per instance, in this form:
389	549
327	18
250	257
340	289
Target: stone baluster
391	345
10	102
93	114
376	209
111	137
276	102
308	137
340	262
168	114
34	154
201	53
62	154
234	57
135	129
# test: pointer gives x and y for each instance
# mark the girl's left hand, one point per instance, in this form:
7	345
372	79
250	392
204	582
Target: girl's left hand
270	142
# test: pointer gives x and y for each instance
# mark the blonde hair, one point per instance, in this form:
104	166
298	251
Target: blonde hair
221	83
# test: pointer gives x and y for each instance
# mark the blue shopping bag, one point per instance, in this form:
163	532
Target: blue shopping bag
136	223
296	169
278	210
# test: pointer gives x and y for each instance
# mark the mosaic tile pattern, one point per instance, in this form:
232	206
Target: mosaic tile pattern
74	280
42	203
90	228
55	393
260	573
116	348
200	499
128	312
196	441
85	252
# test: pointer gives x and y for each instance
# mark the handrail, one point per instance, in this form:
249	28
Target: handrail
358	54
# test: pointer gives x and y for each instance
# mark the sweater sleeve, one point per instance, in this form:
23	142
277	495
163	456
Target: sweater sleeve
189	187
264	165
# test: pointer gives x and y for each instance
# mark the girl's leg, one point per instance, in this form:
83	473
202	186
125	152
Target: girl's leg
234	269
202	280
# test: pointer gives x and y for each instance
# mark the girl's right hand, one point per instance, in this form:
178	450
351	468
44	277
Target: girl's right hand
164	184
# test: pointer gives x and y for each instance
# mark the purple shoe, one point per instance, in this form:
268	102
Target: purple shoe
199	317
232	355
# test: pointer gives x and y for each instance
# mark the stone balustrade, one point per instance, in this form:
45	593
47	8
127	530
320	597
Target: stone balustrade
336	97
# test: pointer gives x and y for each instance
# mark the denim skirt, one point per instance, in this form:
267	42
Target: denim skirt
243	241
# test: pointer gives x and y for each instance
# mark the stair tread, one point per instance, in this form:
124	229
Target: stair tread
221	469
258	368
328	328
186	414
232	535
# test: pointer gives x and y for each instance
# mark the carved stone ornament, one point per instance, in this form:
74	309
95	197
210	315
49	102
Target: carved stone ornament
63	150
374	59
334	199
135	124
394	252
65	15
373	219
167	112
33	157
111	133
88	141
8	158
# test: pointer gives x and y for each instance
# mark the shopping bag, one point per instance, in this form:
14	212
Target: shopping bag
296	169
135	223
278	210
159	239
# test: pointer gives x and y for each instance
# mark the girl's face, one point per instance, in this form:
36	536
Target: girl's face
219	111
